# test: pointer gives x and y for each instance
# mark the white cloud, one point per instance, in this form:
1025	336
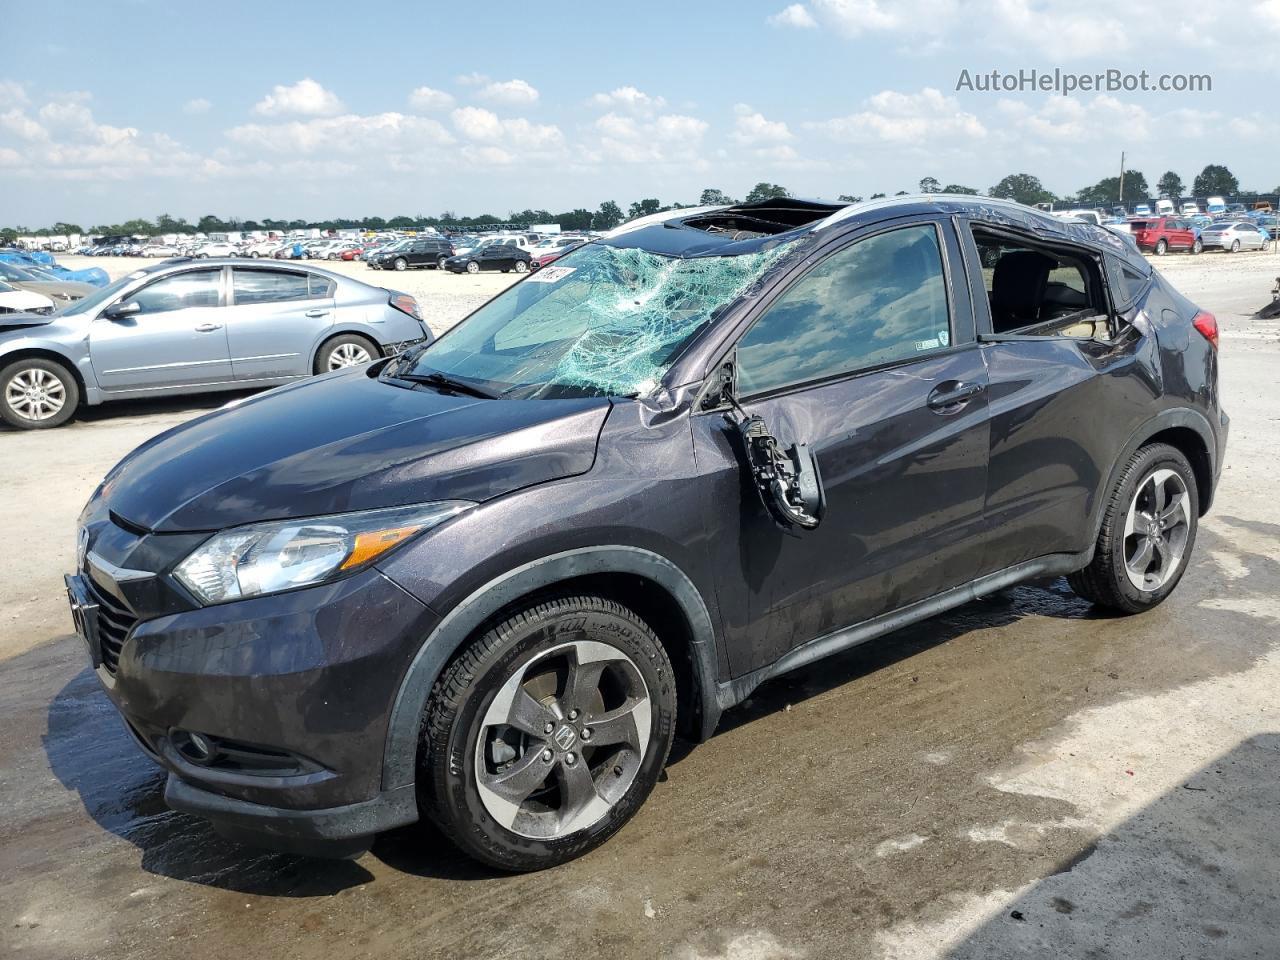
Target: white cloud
1071	120
670	138
477	123
914	119
13	94
752	127
305	97
853	18
349	133
796	15
629	98
198	105
510	91
16	122
503	136
471	79
426	98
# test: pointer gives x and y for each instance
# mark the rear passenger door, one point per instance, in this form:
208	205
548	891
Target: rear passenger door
275	320
1064	397
868	356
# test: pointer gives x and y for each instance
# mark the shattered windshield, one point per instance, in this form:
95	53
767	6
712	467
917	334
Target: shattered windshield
601	321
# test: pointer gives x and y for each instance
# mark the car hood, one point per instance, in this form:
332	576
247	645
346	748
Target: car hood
347	441
12	321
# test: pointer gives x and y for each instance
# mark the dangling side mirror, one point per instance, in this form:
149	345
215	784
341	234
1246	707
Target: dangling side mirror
789	482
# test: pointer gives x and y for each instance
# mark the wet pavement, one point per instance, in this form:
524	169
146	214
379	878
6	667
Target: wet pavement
1021	777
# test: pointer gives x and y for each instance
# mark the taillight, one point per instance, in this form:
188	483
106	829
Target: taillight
406	304
1207	324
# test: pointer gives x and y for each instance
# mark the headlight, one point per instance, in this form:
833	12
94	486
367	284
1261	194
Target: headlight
266	558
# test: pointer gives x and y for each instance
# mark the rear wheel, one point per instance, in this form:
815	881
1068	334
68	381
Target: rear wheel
547	734
1148	531
1162	247
347	350
36	394
521	266
1235	246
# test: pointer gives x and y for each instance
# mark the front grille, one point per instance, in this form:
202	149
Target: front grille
114	623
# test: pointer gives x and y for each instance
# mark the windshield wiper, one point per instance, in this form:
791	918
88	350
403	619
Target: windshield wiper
445	382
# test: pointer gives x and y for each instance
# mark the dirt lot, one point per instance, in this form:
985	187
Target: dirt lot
1018	778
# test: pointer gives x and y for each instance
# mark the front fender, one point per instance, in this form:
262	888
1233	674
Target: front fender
75	356
399	762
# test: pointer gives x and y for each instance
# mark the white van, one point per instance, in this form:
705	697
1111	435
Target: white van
1215	206
1164	208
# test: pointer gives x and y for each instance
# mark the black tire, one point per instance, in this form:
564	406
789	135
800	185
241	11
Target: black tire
42	370
1235	246
1162	247
327	349
448	793
440	262
1105	581
401	264
1197	246
522	267
473	267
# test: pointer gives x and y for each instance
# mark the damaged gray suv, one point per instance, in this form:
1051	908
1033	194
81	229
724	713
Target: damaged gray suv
487	582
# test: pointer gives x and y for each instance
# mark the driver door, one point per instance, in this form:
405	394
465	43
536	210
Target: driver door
869	358
176	339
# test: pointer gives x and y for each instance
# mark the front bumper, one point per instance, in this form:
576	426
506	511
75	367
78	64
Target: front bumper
294	692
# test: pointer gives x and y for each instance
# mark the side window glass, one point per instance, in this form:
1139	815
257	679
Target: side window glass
267	286
878	300
319	287
194	288
1132	281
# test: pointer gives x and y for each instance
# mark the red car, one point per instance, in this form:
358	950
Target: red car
352	254
1163	234
540	261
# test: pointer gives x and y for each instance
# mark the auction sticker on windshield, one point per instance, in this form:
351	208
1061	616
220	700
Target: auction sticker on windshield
551	274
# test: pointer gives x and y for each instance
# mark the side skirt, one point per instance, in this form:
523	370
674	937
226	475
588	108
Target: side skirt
734	691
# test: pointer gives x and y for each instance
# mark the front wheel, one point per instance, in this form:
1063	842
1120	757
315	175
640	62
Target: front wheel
1148	530
1197	246
1162	247
473	267
36	394
547	733
401	263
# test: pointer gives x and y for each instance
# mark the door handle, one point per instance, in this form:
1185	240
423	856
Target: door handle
317	313
208	327
949	397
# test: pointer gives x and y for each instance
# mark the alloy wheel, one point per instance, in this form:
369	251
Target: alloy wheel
348	355
563	739
35	394
1156	530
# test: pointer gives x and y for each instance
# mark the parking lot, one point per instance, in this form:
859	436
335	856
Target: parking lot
1021	777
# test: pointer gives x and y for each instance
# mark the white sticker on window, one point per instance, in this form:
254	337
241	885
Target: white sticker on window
550	274
931	344
944	337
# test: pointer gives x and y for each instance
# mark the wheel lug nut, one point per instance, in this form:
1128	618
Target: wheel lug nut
573	714
547	755
586	733
548	727
571	758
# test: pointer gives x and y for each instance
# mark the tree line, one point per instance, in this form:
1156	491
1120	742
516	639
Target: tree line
1214	179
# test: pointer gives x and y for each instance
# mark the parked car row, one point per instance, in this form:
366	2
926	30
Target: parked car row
1161	235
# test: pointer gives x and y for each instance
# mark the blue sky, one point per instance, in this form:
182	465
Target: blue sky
117	109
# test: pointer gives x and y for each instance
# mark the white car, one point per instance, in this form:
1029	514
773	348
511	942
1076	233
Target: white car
13	300
159	250
1190	209
217	249
1234	236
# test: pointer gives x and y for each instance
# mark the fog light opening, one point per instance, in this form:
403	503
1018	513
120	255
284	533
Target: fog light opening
196	747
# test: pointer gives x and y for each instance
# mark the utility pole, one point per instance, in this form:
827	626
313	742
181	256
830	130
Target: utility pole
1122	178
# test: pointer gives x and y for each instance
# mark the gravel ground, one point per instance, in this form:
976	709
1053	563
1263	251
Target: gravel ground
1019	778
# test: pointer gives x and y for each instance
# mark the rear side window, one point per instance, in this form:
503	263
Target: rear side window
267	286
1038	290
194	288
1132	282
319	287
876	301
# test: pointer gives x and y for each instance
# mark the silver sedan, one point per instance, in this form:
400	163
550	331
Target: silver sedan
1234	236
186	326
